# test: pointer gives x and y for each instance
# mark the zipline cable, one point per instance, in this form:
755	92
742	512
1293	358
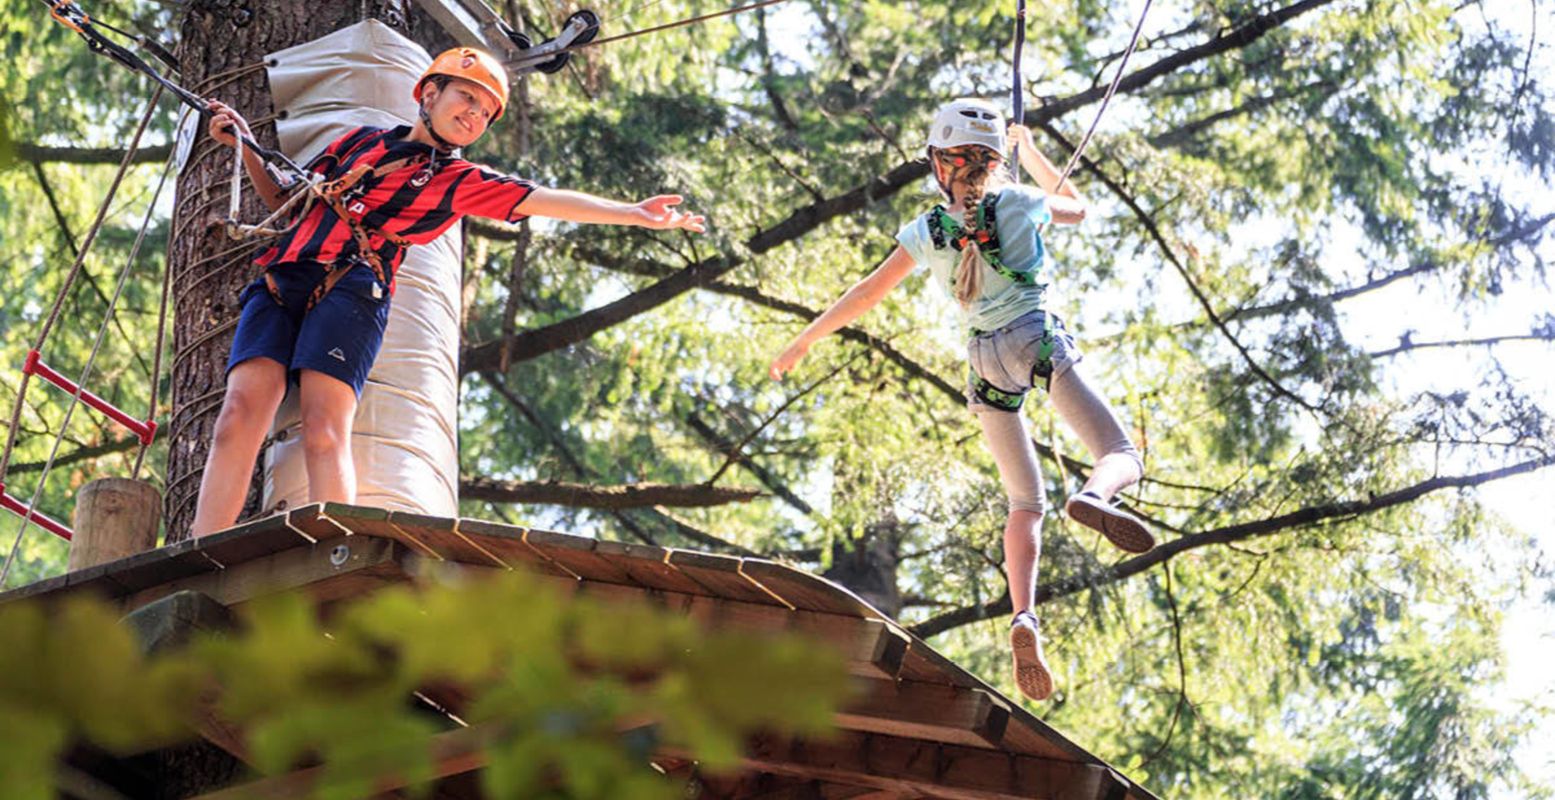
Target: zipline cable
67	13
655	29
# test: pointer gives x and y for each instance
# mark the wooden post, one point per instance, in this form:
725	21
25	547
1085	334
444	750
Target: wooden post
115	518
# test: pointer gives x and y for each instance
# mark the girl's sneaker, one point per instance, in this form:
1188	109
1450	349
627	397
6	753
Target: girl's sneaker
1031	672
1120	528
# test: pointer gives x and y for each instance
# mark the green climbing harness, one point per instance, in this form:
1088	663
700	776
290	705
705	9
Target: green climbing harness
947	232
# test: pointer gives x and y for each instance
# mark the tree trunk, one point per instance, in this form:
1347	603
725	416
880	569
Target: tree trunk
867	565
223	44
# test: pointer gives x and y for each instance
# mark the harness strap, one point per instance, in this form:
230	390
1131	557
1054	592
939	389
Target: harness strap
945	231
336	193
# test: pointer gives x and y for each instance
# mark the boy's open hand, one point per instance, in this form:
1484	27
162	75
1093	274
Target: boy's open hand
226	123
660	213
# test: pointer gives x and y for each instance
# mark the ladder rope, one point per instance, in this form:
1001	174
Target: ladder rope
70	278
102	332
1017	92
156	357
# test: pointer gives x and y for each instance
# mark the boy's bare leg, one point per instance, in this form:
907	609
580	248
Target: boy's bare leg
255	389
328	406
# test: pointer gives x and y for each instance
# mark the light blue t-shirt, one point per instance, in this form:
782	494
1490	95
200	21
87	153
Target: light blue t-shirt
1018	211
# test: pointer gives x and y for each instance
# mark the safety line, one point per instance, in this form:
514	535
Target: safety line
658	28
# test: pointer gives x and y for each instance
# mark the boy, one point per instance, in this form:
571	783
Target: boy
316	317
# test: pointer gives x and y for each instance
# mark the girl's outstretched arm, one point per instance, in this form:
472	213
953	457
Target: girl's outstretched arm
864	295
657	212
1066	202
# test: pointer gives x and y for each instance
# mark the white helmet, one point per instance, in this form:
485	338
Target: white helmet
968	121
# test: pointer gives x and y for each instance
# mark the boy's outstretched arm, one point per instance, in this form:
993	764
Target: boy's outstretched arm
864	295
659	212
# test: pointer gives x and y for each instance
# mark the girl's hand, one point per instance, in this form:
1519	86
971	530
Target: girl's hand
1022	136
659	213
788	359
226	123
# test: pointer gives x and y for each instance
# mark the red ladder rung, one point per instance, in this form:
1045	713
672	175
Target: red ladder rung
34	365
43	521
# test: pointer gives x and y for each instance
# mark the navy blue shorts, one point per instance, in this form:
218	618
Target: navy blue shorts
340	337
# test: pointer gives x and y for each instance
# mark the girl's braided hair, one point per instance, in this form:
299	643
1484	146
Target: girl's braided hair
977	173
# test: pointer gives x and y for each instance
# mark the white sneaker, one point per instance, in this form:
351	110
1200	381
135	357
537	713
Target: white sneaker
1120	527
1031	672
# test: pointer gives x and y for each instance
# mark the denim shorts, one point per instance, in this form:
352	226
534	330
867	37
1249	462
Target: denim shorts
339	337
1008	362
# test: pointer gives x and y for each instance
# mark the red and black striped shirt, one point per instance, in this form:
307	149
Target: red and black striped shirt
411	202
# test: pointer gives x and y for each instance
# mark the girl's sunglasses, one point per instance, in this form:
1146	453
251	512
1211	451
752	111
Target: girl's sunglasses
961	157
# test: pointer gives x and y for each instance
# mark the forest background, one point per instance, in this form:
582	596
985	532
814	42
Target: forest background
1313	282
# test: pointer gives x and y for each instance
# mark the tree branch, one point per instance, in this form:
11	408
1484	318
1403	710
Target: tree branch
1406	345
1311	515
584	495
1154	231
91	155
1236	39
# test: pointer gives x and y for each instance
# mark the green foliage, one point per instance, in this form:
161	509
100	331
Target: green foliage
1355	146
566	697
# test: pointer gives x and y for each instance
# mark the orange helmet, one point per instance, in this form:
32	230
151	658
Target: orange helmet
473	65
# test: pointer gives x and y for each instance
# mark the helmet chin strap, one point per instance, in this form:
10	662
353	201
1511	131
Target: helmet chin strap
443	145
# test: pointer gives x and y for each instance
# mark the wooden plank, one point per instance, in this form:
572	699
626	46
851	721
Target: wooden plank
874	649
329	570
927	711
1029	735
444	536
648	567
563	555
369	521
453	753
724	577
917	768
578	554
926	665
171	622
807	591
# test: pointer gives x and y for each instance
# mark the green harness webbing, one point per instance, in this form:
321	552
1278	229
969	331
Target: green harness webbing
947	232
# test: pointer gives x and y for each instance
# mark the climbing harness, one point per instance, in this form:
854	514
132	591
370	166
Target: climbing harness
945	231
1042	370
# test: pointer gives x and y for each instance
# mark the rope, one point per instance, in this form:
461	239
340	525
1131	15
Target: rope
102	331
1017	94
659	28
156	359
1133	42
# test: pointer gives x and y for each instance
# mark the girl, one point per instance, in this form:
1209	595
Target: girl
317	314
985	248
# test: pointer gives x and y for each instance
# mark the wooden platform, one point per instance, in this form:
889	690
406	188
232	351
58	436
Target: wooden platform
924	727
